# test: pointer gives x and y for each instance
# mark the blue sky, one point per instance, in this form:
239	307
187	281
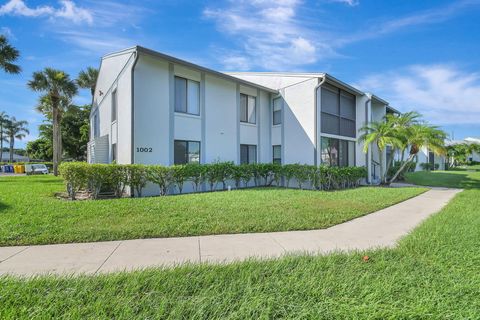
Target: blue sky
419	55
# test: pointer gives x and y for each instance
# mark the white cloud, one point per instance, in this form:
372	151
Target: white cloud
99	43
443	93
286	34
7	32
351	3
268	32
68	10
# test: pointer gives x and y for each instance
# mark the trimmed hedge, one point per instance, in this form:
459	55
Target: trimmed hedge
115	178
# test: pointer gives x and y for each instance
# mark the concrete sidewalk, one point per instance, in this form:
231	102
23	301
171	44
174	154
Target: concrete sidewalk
380	229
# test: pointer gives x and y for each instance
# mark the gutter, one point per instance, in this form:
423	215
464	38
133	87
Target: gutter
133	107
315	116
367	158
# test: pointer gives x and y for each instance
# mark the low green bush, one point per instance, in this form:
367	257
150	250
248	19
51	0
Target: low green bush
96	178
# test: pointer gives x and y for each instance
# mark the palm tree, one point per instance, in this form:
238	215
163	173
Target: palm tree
15	130
382	134
401	123
57	86
422	135
87	79
8	55
3	122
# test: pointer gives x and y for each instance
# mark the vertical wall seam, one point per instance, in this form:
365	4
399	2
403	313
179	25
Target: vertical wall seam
238	122
171	104
259	119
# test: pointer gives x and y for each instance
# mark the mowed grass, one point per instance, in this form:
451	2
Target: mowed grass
30	214
453	179
434	273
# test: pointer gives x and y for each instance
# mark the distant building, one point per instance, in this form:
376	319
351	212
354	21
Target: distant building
5	157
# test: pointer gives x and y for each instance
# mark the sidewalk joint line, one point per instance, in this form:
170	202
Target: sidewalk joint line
199	251
118	245
16	253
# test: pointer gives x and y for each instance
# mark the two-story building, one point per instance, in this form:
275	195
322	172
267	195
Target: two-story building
151	108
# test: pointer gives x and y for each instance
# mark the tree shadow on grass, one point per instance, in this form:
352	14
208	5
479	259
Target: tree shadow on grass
3	206
454	179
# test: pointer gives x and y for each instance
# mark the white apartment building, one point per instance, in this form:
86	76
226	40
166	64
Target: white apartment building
151	108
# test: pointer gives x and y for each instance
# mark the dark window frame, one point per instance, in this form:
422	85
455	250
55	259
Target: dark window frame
186	96
246	120
340	116
114	152
187	148
114	105
280	111
339	156
248	146
276	160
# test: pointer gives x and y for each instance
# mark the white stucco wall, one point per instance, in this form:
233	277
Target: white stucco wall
299	122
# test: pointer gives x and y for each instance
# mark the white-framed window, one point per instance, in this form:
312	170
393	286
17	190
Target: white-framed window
114	105
338	112
248	110
277	154
187	96
277	111
248	153
186	151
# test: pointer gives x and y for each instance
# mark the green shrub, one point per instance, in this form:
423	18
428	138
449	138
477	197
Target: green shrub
137	177
113	177
161	176
75	176
179	175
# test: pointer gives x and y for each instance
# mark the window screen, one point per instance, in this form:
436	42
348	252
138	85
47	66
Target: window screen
186	152
248	153
187	96
277	154
114	105
277	111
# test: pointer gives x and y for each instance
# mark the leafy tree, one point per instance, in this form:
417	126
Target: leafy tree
87	79
8	55
15	129
58	88
381	134
3	138
75	127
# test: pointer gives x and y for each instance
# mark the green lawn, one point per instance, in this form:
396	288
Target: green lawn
31	215
454	179
434	273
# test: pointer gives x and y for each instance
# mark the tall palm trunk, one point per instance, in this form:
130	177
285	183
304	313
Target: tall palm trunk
57	138
12	143
382	168
395	176
1	141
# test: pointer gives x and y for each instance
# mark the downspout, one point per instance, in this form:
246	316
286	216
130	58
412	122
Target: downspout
369	151
315	116
132	161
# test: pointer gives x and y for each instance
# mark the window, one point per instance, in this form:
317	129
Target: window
338	112
114	152
247	108
277	154
186	152
96	126
248	153
431	159
277	111
187	96
114	105
336	152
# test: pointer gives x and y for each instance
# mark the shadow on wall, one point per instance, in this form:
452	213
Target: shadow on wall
297	144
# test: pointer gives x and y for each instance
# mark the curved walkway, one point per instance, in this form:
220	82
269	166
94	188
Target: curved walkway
379	229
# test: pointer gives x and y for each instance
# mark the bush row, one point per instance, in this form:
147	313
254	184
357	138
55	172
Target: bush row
114	177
